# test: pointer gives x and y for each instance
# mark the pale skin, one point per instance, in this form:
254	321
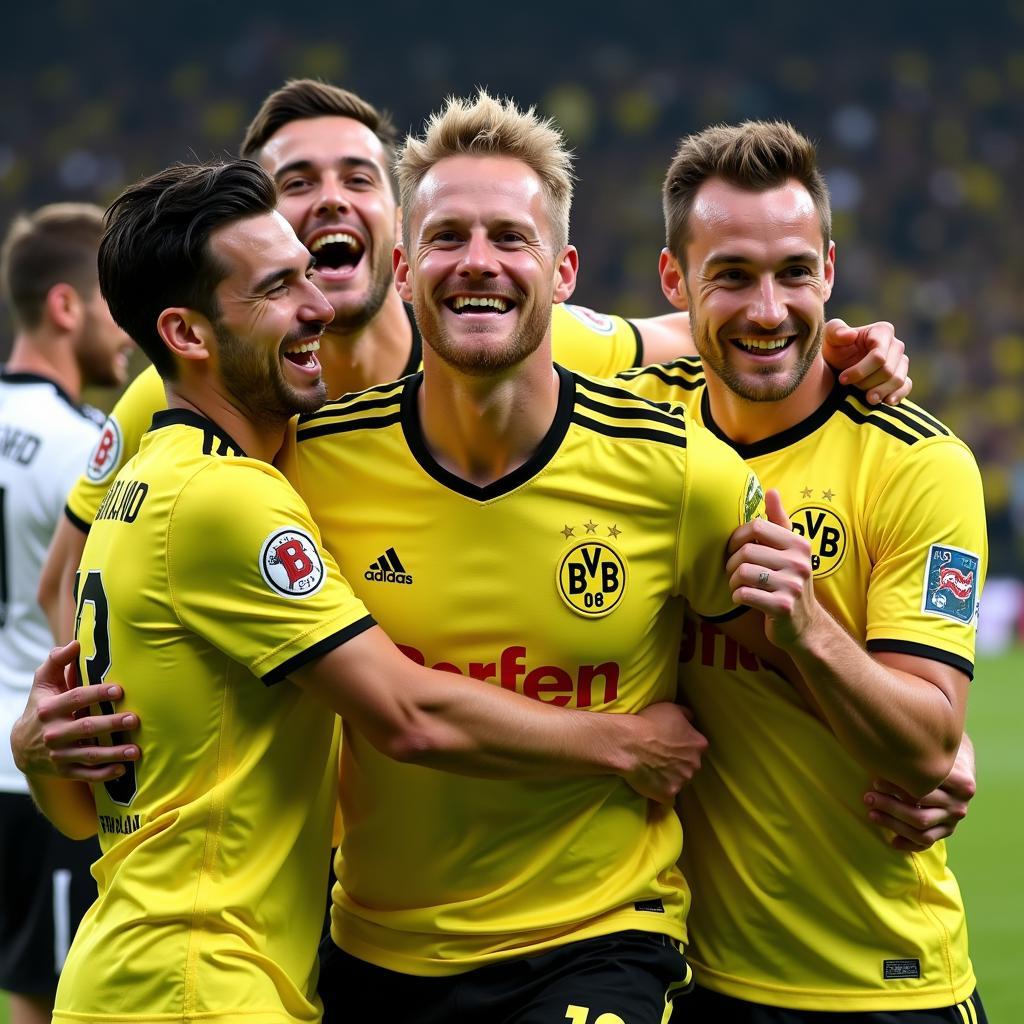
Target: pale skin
757	267
409	712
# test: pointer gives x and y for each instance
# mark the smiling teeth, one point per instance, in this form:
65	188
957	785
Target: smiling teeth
309	346
763	344
337	238
491	301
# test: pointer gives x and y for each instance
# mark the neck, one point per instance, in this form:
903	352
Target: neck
747	422
258	440
483	428
375	353
47	357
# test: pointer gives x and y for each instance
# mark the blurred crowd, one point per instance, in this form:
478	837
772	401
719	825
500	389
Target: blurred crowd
918	111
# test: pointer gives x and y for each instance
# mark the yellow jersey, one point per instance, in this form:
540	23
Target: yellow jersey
563	581
800	900
201	586
592	343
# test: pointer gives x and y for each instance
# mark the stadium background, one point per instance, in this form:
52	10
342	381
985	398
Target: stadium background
918	110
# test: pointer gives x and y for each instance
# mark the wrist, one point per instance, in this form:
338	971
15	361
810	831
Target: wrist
619	743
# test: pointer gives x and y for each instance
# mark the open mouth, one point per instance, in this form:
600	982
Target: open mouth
303	353
488	304
338	250
764	346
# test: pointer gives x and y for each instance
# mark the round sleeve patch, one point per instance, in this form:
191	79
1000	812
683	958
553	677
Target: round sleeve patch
106	456
599	322
291	564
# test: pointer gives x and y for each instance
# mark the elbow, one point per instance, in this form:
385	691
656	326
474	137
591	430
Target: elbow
410	743
929	772
77	830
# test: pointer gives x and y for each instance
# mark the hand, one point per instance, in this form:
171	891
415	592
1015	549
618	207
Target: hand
49	740
919	824
871	358
769	569
668	752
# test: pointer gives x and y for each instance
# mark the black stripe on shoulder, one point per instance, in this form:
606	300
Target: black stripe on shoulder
318	650
923	651
920	414
678	439
337	409
910	416
663	371
853	413
345	426
646	411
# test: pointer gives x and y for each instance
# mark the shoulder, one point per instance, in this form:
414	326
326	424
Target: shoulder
905	425
368	410
681	381
605	407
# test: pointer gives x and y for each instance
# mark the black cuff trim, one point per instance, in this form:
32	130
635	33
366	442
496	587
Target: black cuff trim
318	650
79	524
638	358
735	613
923	651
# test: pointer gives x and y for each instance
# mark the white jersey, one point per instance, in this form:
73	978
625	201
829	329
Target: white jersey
45	440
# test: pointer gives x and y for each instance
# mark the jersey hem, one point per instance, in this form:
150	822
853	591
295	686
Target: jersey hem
924	651
424	968
318	650
833	1000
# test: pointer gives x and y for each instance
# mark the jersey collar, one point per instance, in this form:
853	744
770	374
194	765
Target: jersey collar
190	418
35	378
416	352
784	438
534	464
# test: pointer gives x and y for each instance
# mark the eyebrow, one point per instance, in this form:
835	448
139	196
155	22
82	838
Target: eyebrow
718	259
271	279
349	162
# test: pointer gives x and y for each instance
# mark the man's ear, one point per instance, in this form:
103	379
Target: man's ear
829	270
64	306
673	281
186	332
566	269
400	266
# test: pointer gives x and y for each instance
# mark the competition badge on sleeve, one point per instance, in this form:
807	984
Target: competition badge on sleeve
291	564
106	455
951	583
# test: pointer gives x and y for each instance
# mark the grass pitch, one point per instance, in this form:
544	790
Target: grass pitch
987	853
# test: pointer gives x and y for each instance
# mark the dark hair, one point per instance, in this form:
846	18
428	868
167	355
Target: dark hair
55	245
155	254
303	98
755	155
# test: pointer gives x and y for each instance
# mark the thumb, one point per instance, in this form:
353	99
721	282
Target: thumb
776	513
51	674
839	332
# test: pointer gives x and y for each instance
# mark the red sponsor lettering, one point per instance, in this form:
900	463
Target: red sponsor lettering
295	561
550	684
705	643
959	585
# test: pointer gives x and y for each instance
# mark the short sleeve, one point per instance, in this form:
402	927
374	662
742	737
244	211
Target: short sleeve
927	535
247	571
593	343
721	493
118	441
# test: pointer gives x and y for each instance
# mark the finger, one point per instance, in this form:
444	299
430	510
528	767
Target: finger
51	673
95	757
760	532
900	393
88	773
922	838
70	702
775	510
839	333
758	577
766	601
68	733
759	557
901	843
891	789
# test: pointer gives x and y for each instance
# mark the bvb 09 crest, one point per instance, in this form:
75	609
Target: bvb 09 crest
592	578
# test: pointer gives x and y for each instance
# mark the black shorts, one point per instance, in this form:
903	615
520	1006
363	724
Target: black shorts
45	888
623	978
703	1004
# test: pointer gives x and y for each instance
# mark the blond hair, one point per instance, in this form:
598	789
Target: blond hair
755	155
486	126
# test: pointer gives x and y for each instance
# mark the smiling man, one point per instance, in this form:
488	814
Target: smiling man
805	913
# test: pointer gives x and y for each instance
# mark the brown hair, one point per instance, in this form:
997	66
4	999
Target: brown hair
486	126
755	155
57	244
303	98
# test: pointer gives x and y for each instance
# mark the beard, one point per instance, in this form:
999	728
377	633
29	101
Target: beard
99	358
767	384
486	359
254	379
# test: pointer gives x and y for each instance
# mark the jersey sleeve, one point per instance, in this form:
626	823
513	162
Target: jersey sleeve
593	343
246	571
930	552
721	493
118	441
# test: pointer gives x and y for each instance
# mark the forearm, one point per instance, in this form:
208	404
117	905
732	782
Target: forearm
68	805
894	723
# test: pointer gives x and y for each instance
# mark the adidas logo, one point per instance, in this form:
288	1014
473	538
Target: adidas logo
388	569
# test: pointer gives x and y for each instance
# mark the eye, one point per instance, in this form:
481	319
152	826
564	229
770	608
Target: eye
731	275
294	185
278	291
509	238
797	272
361	181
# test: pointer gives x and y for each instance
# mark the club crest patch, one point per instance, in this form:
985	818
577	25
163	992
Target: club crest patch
951	583
753	500
291	564
826	532
106	455
591	578
598	322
